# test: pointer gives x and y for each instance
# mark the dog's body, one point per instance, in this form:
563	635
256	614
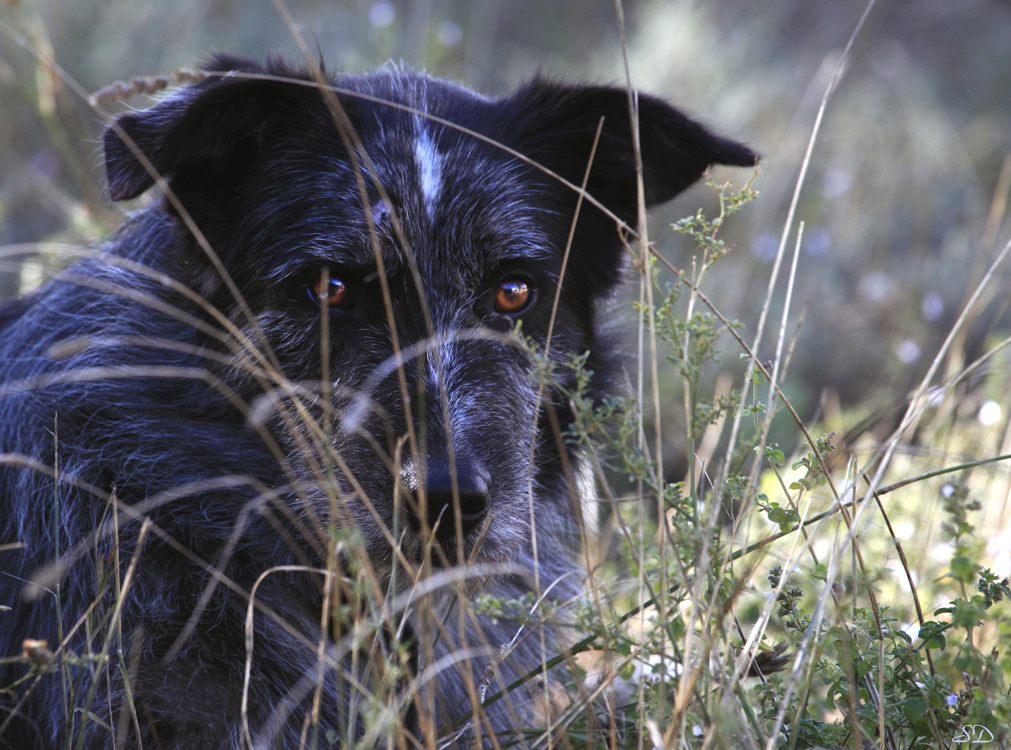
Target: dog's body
213	411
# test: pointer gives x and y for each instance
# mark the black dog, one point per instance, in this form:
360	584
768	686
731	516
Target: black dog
263	451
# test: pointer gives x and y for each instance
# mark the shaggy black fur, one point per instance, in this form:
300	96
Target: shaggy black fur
165	429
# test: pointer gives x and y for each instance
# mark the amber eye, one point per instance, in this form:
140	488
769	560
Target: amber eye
512	296
331	292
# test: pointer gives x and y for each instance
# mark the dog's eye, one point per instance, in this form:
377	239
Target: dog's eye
331	292
513	296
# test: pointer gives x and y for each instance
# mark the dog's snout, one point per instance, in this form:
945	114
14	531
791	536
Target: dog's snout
441	501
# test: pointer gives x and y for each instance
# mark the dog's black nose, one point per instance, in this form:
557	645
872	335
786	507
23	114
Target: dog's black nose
471	489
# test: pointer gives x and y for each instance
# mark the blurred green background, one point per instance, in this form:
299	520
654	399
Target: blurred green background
903	208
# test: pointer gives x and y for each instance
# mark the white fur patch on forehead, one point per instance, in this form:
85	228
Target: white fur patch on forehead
429	165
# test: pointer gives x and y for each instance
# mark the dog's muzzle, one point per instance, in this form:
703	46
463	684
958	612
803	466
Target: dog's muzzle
435	501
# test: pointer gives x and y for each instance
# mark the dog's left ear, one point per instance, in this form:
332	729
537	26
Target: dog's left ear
204	138
555	124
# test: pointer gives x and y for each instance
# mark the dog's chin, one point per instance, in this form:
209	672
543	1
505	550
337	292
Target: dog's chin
446	552
478	564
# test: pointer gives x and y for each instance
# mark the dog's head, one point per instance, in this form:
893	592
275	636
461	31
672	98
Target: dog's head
375	244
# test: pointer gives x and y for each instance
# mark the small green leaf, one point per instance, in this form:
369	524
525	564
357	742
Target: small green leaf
915	710
963	569
785	517
932	634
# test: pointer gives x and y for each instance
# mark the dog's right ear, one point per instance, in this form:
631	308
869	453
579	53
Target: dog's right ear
206	136
555	125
